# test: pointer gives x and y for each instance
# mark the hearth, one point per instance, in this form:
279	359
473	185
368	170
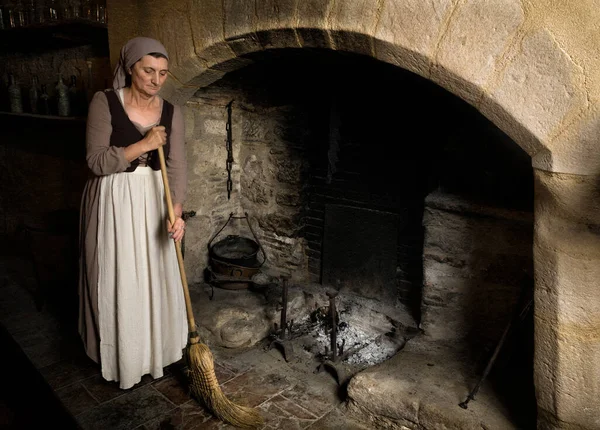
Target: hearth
406	217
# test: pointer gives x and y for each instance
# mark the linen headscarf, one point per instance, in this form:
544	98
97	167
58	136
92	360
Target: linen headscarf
131	52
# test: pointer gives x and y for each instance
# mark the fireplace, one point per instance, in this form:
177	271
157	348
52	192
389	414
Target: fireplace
372	182
529	69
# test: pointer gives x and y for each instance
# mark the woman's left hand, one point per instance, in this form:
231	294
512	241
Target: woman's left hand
177	230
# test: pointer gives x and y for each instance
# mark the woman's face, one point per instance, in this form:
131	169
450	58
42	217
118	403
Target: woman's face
149	74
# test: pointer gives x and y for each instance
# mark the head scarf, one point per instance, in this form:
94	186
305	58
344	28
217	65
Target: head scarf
131	52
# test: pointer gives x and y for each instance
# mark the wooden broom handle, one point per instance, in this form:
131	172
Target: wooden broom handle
186	292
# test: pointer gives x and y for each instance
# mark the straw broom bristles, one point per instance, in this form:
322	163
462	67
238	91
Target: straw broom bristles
205	387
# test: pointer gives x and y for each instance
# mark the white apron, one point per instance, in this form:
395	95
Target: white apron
141	309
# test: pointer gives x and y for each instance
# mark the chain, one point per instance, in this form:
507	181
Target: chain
229	150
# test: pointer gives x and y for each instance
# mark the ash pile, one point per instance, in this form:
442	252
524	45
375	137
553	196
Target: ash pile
344	332
363	337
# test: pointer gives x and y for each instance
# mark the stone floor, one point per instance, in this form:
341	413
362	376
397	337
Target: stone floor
73	394
44	365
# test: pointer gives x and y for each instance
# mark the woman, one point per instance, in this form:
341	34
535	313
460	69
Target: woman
132	312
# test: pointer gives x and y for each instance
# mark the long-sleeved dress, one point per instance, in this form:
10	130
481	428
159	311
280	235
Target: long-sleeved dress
131	309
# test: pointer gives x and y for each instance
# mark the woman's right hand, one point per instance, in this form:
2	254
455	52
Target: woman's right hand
155	138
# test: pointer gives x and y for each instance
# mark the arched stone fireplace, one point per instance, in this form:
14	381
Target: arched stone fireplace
529	67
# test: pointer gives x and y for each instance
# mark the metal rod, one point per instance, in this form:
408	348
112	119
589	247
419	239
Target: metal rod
332	312
473	392
284	301
507	329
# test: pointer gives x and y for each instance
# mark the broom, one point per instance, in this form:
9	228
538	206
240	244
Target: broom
204	385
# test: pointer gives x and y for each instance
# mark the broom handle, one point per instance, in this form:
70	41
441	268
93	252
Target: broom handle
186	292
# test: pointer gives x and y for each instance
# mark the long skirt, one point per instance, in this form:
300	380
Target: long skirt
141	321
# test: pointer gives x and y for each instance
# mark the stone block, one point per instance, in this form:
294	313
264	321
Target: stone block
276	24
408	32
357	43
540	91
567	346
257	192
123	25
239	18
289	199
314	38
278	38
575	150
238	26
568	212
476	261
566	251
280	224
255	128
176	93
425	393
275	14
472	48
205	77
353	24
289	171
206	21
175	32
312	25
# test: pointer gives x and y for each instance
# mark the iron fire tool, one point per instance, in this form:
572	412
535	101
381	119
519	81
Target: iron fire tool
282	335
229	144
518	316
337	351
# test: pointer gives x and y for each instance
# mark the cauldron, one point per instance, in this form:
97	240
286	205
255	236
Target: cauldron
236	250
235	258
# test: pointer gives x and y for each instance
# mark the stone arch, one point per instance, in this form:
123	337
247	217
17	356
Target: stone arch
486	54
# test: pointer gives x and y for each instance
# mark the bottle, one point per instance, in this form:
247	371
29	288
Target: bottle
31	12
44	101
40	11
14	95
74	97
102	12
86	9
1	17
75	6
9	10
64	10
4	103
98	8
90	83
34	95
62	98
51	10
20	16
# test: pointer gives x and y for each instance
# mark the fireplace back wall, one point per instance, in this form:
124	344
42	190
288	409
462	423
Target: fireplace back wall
313	144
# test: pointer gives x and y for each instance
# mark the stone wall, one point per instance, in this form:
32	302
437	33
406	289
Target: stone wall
274	162
267	177
477	261
300	149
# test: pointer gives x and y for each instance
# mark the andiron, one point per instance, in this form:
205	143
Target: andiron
335	354
281	336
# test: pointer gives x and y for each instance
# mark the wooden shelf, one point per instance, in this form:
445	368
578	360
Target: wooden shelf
54	35
43	117
54	136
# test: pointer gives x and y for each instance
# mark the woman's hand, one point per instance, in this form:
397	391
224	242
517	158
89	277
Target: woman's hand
177	230
155	138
